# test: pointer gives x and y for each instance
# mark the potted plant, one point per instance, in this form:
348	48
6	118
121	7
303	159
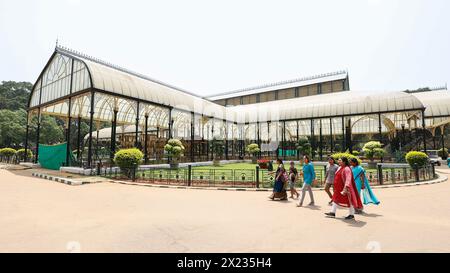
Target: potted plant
128	160
175	150
217	149
253	150
263	164
373	150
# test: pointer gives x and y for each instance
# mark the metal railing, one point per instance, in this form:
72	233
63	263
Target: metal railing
257	178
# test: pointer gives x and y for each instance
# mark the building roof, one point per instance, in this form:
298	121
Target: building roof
350	103
437	102
339	75
118	80
121	82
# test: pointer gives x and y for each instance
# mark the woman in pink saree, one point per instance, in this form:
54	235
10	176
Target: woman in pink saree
345	191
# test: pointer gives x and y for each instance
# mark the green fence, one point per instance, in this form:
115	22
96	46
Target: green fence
257	178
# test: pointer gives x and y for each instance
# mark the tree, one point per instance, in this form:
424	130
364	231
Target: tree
12	128
373	149
14	95
303	146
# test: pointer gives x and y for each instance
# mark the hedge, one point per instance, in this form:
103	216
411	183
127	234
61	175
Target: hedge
7	152
21	153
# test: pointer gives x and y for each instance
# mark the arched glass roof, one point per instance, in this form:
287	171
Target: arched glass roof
119	84
437	103
346	103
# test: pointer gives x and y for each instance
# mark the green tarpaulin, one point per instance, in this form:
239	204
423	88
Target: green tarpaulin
53	156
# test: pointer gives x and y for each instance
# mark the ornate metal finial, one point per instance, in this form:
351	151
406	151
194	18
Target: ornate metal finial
57	41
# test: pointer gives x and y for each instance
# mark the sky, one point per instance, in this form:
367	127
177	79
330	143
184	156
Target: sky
209	47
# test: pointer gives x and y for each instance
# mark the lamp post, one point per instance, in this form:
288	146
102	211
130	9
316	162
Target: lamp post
402	143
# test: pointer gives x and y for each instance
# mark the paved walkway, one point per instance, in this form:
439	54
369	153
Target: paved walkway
40	216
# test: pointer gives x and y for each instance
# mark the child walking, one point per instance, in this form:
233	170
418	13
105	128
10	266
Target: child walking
293	176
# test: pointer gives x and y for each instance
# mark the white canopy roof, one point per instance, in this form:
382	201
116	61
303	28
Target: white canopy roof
437	103
123	82
118	81
329	105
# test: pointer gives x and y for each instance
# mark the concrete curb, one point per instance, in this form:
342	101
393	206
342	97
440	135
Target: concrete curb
436	181
58	179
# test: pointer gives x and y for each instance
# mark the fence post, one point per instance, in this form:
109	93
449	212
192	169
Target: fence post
380	174
433	170
189	175
257	177
133	172
416	172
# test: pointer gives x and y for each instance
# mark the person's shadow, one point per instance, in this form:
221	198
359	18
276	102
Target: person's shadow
370	215
353	223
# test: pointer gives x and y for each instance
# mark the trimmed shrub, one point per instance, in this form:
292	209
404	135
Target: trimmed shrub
7	152
418	159
253	149
126	159
355	153
373	149
336	156
174	148
21	153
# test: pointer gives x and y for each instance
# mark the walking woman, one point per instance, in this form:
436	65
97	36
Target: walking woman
362	183
329	177
309	177
279	188
345	192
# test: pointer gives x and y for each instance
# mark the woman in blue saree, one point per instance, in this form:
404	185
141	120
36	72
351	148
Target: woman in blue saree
362	183
279	189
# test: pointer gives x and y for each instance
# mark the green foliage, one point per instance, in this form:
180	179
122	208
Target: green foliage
252	149
7	152
128	158
418	159
303	146
12	128
174	148
355	153
337	156
21	153
373	149
399	157
217	147
14	95
443	154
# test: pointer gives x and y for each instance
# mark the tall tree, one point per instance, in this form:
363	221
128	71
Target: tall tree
14	95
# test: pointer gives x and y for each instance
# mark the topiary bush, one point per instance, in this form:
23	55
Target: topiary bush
253	149
127	159
21	154
336	156
373	149
418	159
174	148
